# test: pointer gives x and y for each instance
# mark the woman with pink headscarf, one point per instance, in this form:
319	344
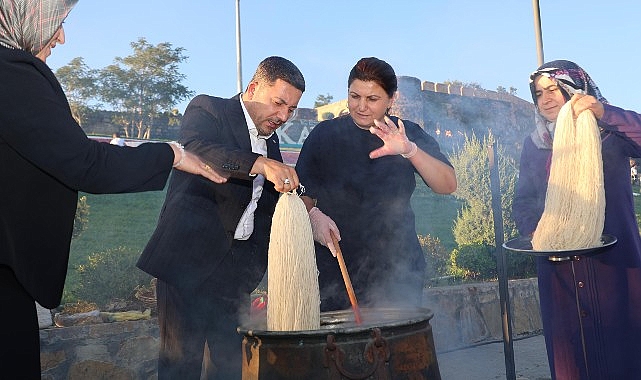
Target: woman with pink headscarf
590	305
45	159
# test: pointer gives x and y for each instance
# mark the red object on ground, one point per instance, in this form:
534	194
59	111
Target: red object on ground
259	303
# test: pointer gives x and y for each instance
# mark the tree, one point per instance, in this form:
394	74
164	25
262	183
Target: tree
322	100
474	225
144	84
512	90
79	83
455	82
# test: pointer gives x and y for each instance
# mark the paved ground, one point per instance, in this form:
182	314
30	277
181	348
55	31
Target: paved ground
487	361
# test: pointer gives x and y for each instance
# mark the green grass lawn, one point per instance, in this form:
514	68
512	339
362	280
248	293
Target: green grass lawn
128	220
115	220
435	215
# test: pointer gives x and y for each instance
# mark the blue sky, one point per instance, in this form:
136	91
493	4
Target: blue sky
490	42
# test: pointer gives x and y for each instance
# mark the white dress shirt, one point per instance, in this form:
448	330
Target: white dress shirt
259	145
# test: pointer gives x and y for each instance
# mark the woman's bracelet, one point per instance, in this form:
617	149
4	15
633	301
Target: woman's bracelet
181	149
412	152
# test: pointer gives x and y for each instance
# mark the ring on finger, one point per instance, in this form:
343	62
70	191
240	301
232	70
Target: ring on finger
286	181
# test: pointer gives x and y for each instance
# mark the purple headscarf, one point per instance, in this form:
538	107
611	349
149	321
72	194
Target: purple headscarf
30	24
571	80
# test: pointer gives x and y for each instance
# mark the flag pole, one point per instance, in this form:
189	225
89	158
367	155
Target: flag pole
238	55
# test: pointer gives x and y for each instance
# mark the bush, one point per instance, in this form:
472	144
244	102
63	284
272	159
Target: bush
82	217
520	265
77	307
109	275
477	262
327	116
436	257
474	262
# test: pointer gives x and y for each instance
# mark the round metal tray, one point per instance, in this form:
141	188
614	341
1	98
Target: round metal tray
524	245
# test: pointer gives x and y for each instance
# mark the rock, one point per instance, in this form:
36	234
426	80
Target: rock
44	316
66	320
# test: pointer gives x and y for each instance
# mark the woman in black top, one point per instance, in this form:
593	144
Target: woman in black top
359	174
45	159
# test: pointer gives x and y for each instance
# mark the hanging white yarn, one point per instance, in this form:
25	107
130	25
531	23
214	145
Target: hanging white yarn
574	212
292	274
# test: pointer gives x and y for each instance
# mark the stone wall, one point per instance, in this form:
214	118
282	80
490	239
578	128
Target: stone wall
464	315
451	113
448	113
120	350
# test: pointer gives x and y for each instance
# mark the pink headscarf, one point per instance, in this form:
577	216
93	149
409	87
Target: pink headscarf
571	80
30	24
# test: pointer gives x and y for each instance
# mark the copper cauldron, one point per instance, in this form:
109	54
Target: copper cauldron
389	344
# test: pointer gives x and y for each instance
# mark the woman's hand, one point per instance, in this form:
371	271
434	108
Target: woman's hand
582	102
323	227
190	163
437	175
395	140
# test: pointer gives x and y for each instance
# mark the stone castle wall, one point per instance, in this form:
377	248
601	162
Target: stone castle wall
410	96
449	113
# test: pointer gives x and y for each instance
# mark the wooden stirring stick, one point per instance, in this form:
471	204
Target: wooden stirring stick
348	282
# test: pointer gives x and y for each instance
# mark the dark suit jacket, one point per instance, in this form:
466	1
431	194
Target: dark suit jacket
45	158
195	231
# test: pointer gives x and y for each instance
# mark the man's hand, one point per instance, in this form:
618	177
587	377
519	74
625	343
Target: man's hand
283	176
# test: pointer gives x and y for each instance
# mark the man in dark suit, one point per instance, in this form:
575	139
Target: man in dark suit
209	249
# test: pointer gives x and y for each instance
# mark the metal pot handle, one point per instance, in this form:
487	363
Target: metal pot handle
376	352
